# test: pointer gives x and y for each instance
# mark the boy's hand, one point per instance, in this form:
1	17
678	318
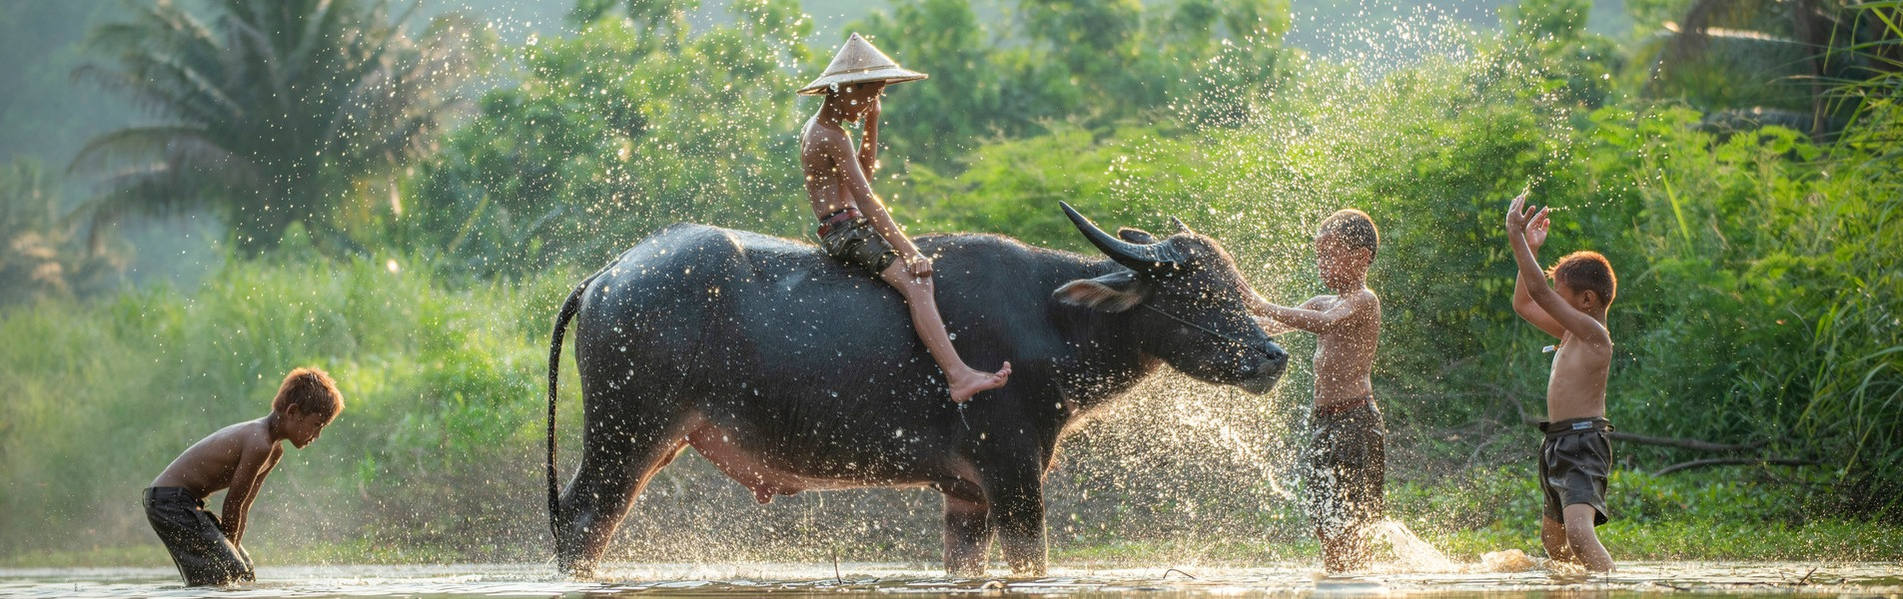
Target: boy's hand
1258	305
1536	229
921	266
1516	214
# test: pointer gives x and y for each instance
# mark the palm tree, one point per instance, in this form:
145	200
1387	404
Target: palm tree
40	253
269	110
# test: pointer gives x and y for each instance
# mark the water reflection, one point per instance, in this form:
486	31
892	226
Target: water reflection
919	580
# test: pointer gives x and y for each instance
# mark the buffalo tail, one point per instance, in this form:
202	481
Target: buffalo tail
569	308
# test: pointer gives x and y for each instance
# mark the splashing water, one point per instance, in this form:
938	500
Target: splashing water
1411	554
1643	580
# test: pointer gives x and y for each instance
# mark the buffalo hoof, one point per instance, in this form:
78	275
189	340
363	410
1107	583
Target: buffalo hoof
575	568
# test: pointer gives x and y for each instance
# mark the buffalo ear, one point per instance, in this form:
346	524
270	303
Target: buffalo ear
1114	292
1136	235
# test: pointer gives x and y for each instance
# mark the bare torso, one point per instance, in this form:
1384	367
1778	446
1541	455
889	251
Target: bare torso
1344	354
826	182
1577	387
209	465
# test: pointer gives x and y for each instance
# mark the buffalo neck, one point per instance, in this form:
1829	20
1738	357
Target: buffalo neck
1104	356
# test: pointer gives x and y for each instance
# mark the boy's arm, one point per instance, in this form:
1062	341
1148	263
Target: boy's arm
1523	304
1530	311
1573	321
244	485
271	463
1261	308
1305	318
840	151
1271	327
869	147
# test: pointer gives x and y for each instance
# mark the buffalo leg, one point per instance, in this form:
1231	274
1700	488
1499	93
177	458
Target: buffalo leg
967	537
615	466
1017	505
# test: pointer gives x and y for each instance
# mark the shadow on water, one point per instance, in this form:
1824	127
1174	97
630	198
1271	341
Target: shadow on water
683	580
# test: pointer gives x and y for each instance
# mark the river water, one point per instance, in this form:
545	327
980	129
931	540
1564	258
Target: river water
915	580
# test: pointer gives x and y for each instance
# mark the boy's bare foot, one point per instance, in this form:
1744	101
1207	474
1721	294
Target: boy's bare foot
971	381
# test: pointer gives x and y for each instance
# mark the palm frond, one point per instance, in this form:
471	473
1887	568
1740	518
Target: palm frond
278	102
132	144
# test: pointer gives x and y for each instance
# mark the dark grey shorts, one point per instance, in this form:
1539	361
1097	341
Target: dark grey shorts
1574	462
205	557
1347	466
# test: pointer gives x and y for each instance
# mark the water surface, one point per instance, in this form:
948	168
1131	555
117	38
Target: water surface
685	580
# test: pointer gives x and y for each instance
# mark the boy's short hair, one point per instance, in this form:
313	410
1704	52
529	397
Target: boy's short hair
1586	270
311	390
1354	227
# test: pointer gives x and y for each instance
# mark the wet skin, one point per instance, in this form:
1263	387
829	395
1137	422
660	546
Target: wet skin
837	178
1347	325
732	343
238	457
1577	386
1347	328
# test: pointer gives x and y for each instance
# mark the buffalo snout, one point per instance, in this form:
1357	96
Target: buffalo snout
1261	373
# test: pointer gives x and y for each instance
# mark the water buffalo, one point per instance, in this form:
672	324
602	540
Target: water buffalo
792	372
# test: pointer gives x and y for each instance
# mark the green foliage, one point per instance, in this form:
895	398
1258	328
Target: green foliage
437	402
1095	63
609	137
1758	300
1765	61
1755	293
273	110
1014	185
1729	514
1548	40
1766	262
638	123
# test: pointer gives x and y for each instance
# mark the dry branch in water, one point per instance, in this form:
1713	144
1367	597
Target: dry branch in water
1693	444
1708	462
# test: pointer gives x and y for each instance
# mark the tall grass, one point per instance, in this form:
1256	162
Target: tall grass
1856	383
1759	301
101	396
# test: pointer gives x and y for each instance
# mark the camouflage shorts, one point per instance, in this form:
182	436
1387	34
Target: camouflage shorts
856	242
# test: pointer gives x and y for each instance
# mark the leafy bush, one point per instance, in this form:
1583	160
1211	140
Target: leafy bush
1759	298
437	399
612	135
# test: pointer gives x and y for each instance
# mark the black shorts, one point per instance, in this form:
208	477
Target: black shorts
1574	463
856	242
1347	468
205	557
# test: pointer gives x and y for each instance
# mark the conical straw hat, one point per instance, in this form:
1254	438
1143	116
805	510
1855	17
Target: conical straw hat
859	62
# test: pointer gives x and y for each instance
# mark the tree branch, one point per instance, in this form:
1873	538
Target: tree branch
1708	462
1693	444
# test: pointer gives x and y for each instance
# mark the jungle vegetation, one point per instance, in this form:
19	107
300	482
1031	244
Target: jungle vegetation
404	202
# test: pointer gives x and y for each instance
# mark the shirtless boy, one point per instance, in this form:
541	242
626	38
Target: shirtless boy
1576	457
854	225
210	550
1346	453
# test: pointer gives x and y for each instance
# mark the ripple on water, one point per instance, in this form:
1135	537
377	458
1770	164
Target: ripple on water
687	580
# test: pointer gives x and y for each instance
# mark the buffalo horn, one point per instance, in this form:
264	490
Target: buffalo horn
1180	227
1139	257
